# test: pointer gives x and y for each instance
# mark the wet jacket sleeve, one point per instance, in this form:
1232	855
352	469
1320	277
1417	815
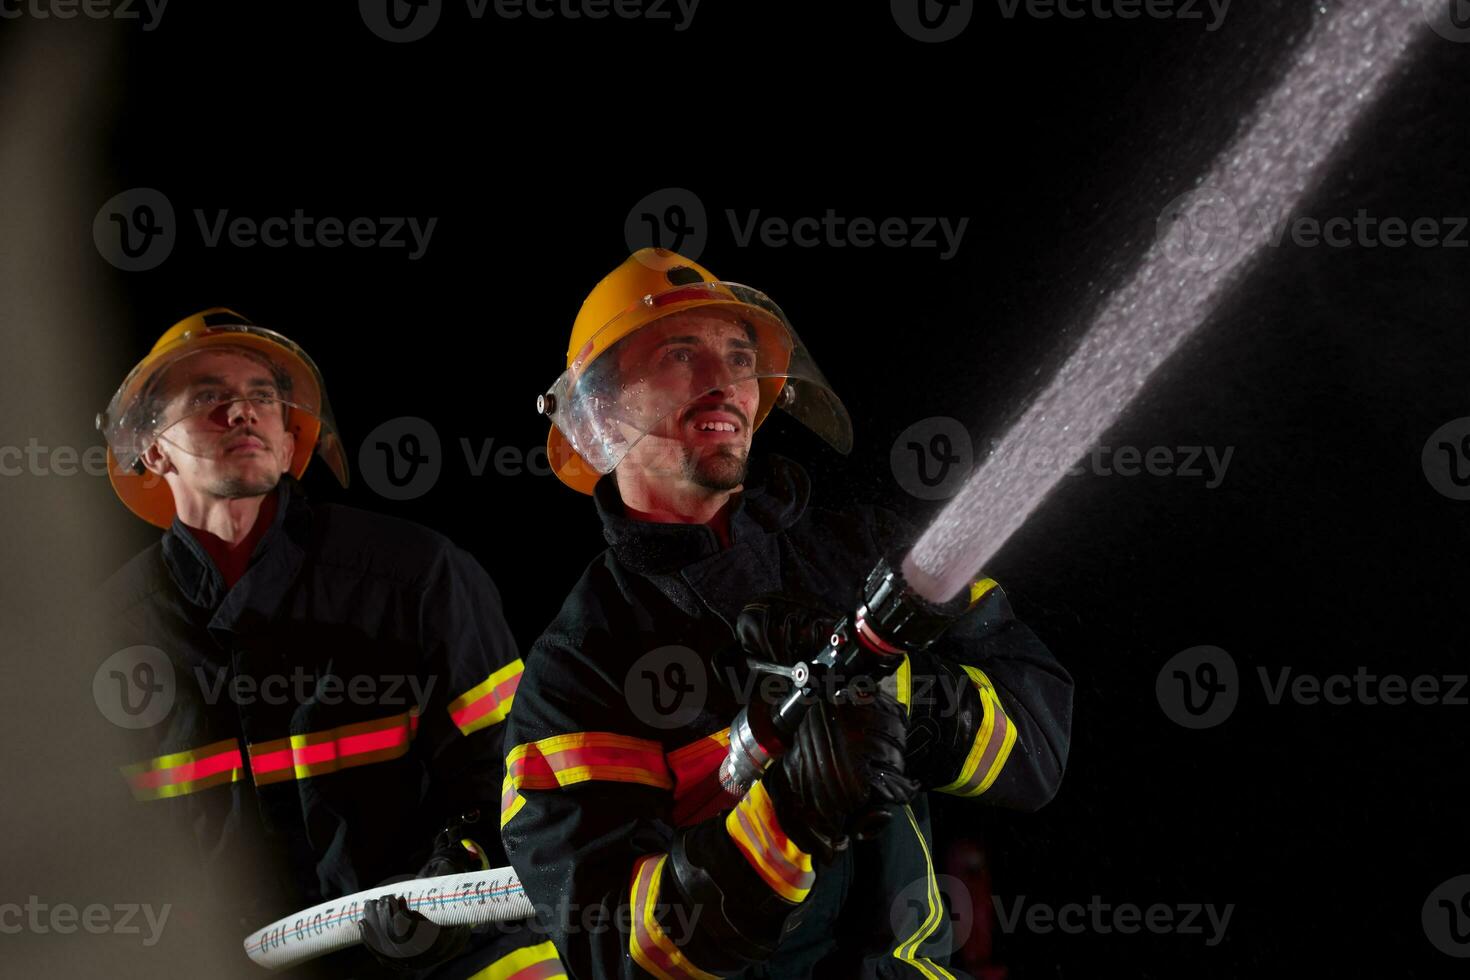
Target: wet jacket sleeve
474	667
990	707
587	823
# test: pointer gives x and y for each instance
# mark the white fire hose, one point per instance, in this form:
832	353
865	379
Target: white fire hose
448	900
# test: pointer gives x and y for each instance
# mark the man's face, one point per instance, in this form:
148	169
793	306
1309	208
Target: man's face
696	366
230	439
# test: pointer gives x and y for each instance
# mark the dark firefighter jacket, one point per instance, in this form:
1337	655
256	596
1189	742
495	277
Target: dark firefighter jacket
623	716
330	711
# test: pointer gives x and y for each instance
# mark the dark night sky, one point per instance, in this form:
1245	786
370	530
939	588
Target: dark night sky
1324	548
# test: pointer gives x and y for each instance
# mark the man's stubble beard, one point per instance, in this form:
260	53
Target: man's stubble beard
236	487
720	470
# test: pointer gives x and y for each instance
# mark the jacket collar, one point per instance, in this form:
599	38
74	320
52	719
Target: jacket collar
273	566
685	558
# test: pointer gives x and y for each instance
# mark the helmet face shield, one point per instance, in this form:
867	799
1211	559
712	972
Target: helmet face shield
713	356
187	392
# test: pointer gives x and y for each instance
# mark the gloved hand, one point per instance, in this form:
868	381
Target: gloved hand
941	724
407	941
784	629
841	776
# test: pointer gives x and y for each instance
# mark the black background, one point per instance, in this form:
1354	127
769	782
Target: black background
1325	547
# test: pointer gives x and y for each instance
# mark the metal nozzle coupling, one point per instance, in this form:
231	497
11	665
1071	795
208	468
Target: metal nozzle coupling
747	759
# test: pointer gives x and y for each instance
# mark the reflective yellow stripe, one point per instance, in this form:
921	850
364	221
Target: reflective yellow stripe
510	801
489	701
992	746
979	588
538	962
905	950
563	760
783	866
905	680
319	753
648	944
181	773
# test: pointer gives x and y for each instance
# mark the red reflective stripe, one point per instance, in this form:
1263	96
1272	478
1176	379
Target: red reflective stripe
649	945
698	793
566	759
189	771
350	745
546	970
486	703
268	762
319	753
181	773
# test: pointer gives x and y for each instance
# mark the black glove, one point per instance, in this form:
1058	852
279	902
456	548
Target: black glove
842	775
404	940
407	941
783	629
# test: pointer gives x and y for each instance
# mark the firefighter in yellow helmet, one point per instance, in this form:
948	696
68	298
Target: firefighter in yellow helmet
340	678
614	809
173	416
629	381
